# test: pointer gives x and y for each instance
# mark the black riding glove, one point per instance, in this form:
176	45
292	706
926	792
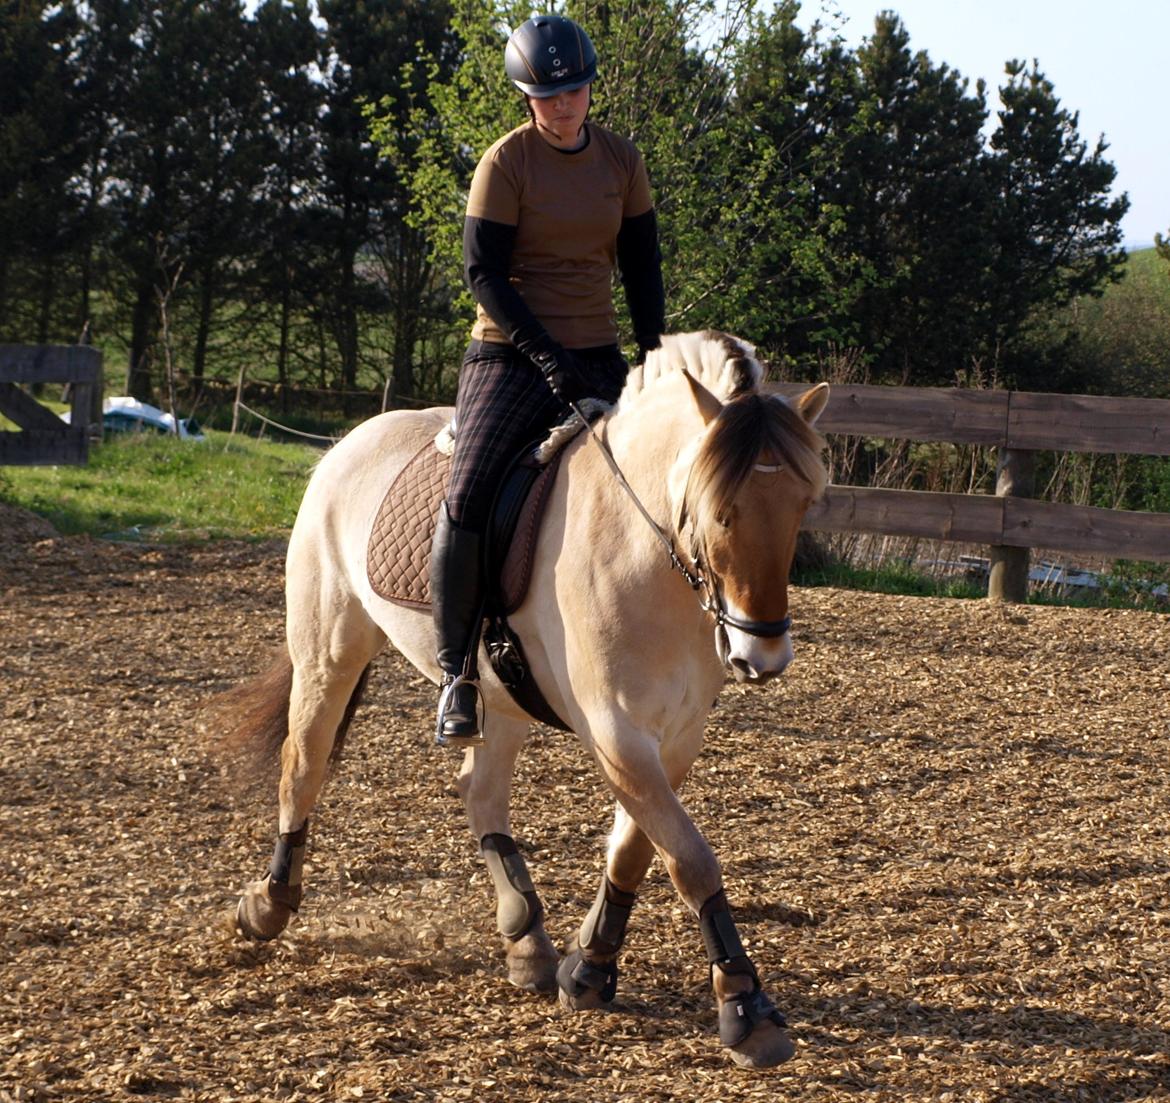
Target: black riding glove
561	370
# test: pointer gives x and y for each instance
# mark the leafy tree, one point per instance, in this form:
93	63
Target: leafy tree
708	166
915	205
370	47
800	93
181	169
1162	246
1114	343
286	270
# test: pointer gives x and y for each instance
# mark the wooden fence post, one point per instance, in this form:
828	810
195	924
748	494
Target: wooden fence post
1015	477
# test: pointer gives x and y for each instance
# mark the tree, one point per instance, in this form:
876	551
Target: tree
1056	228
1162	246
800	94
370	49
39	154
286	270
181	169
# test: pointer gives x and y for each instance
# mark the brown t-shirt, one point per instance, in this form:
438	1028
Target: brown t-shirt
567	209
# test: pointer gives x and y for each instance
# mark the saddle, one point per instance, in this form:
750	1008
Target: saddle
399	548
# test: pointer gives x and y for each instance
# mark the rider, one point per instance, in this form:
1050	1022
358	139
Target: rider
555	206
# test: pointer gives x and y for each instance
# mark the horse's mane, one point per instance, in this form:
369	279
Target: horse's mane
725	365
752	428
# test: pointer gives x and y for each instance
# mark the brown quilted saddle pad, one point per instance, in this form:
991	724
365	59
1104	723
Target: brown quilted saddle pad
399	550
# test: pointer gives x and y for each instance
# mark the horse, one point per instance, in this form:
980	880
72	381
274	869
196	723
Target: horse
661	567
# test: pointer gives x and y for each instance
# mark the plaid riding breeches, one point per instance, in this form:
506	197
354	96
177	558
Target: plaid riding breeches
504	404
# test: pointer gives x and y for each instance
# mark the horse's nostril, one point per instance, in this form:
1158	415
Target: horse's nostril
743	670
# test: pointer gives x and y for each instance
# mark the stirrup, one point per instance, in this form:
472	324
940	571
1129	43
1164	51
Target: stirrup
471	739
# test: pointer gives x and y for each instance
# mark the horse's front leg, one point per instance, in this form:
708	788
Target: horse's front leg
632	763
588	976
485	784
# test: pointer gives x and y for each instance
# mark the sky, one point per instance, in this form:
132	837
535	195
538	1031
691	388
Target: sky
1106	61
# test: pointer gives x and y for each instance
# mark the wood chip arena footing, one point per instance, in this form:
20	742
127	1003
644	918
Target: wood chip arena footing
948	852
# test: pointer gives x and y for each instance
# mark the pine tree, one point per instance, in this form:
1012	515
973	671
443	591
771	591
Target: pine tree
1056	228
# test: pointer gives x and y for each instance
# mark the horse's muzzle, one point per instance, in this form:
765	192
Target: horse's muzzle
750	659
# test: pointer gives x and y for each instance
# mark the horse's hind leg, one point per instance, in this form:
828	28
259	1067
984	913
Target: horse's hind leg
485	784
328	678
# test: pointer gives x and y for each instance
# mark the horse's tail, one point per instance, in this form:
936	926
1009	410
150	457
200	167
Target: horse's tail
250	721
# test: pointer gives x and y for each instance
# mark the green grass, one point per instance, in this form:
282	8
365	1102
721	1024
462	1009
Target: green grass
890	578
158	488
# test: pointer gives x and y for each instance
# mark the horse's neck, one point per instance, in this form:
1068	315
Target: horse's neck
645	439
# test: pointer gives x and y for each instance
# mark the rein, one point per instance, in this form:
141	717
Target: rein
712	601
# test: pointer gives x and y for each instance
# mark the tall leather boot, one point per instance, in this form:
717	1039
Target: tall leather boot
456	602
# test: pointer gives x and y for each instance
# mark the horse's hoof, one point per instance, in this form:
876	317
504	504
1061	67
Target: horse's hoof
532	962
766	1047
260	917
585	985
589	1000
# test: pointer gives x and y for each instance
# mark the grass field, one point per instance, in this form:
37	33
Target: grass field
158	488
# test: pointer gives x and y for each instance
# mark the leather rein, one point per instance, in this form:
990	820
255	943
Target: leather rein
701	579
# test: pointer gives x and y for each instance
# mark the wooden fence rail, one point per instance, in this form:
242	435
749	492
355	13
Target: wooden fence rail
1017	424
42	437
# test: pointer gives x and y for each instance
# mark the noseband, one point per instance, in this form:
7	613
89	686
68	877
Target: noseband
700	579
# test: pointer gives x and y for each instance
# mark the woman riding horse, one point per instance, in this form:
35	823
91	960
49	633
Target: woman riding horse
554	205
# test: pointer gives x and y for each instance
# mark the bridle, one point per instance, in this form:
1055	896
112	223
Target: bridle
698	575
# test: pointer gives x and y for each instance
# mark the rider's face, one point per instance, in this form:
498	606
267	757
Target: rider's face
559	118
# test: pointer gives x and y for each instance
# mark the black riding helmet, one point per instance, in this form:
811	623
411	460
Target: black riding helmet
549	54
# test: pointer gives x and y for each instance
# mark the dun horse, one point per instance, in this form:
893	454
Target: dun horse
633	619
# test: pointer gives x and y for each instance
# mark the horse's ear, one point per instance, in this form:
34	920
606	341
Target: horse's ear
812	403
709	406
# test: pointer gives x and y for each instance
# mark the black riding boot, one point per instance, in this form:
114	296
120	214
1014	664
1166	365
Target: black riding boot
456	601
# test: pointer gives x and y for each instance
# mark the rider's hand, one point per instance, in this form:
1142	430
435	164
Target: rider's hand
562	371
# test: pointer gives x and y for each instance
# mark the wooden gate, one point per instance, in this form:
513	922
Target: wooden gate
42	437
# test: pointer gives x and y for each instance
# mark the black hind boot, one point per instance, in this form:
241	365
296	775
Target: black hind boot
457	604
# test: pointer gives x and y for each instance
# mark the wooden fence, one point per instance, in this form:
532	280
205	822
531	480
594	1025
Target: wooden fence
1017	424
42	437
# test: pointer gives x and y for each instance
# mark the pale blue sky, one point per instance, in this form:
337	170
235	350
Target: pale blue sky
1107	61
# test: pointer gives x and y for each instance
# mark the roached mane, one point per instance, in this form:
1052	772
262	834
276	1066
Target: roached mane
725	365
